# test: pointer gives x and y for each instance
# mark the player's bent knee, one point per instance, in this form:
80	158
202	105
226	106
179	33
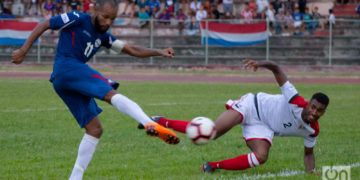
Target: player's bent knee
96	132
261	157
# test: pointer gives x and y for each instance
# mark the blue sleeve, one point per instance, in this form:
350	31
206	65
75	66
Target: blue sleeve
66	20
109	39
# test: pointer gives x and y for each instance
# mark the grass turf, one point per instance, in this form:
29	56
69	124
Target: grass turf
39	137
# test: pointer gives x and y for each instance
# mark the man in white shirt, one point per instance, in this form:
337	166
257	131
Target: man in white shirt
263	116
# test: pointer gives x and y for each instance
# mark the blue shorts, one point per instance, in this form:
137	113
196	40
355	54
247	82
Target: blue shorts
78	88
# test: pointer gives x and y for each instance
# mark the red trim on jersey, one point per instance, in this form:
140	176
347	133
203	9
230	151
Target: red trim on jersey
100	77
228	107
73	38
316	127
299	101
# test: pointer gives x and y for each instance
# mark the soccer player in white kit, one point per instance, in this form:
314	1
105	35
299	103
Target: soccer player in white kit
263	116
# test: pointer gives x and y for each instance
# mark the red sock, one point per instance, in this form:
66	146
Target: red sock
241	162
177	125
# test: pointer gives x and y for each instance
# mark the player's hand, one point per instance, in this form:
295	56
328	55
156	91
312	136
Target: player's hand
18	56
168	52
250	64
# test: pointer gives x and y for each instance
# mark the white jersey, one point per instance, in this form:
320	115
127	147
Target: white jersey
280	114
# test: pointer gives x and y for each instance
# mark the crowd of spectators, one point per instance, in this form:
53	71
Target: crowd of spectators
286	16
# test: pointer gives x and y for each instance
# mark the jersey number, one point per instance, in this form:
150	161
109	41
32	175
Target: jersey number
287	125
88	49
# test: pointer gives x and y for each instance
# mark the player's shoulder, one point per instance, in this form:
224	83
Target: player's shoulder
298	101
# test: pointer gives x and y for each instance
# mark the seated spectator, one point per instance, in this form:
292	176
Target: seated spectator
358	9
298	22
86	5
253	7
154	4
164	17
191	25
74	5
318	19
261	6
184	6
289	23
280	22
308	21
181	18
143	17
247	13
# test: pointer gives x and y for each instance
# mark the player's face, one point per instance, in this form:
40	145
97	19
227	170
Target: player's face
313	111
105	16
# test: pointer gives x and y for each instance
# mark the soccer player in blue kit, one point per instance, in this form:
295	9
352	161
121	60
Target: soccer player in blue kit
78	85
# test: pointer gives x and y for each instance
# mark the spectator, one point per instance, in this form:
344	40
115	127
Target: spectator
143	18
48	9
215	14
270	14
302	6
247	13
253	7
191	25
332	18
308	21
184	6
277	4
74	5
289	23
280	22
59	7
181	18
228	7
154	4
298	22
358	9
86	5
201	14
195	5
318	19
261	6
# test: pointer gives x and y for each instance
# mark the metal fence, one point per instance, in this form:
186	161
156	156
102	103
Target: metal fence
327	44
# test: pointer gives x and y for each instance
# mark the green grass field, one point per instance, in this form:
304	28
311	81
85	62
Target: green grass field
39	138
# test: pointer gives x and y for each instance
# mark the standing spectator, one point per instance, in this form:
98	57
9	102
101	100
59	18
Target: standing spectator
228	7
215	14
201	14
48	9
270	14
276	5
247	13
86	5
261	6
195	5
302	6
332	18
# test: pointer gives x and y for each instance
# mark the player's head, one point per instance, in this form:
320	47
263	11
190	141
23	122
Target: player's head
316	107
104	14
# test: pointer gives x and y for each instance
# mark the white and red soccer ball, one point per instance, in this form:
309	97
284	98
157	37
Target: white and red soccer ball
201	130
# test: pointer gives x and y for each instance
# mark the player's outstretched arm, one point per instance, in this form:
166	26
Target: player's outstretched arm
309	160
18	55
270	65
142	52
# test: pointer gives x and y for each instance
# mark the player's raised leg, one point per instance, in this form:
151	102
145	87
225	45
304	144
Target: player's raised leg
87	148
130	108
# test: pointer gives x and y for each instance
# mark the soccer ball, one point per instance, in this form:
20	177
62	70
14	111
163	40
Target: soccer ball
201	130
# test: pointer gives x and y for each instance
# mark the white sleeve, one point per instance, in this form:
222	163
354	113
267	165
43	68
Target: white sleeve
288	90
118	45
309	142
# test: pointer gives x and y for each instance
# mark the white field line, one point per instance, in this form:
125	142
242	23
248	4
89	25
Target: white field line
12	110
288	173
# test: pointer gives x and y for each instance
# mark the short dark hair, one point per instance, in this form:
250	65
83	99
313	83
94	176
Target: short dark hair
101	3
321	98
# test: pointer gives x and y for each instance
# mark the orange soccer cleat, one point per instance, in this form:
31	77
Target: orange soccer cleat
155	129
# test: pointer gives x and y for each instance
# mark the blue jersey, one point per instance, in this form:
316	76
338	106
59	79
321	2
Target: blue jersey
78	39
